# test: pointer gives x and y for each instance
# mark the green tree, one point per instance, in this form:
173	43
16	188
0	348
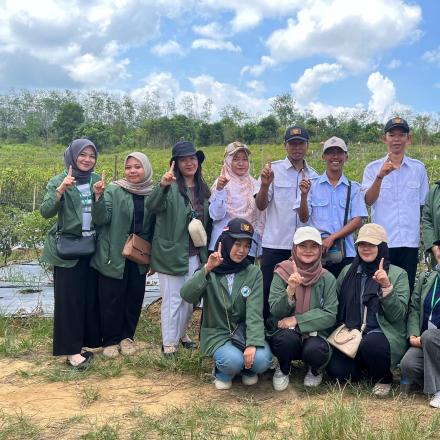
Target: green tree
69	119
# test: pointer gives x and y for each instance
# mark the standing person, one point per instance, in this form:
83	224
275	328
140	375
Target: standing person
334	205
421	363
396	187
232	195
373	297
279	194
120	210
181	196
431	223
303	305
232	292
69	197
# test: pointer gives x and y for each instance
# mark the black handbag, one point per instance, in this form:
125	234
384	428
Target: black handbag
238	336
72	247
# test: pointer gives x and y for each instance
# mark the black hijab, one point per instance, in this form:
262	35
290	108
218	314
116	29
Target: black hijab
71	156
228	266
349	310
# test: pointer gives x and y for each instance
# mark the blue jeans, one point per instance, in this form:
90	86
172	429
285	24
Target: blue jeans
229	361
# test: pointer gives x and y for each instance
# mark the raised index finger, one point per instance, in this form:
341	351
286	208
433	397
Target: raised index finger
219	248
295	269
269	162
172	166
103	177
381	264
69	174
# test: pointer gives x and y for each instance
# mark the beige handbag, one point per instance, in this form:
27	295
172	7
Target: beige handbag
197	233
137	249
348	340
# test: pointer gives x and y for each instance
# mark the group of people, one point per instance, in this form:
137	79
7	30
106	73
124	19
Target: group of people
206	243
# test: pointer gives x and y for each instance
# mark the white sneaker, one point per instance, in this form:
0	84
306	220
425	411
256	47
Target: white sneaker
220	385
249	380
280	380
381	389
310	380
128	347
435	401
111	351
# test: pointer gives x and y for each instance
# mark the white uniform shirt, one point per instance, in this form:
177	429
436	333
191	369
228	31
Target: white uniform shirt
402	193
284	197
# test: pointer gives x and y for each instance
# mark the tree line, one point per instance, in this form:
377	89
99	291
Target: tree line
46	117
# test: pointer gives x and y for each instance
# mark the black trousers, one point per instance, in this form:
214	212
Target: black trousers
76	312
120	304
406	258
288	345
373	361
269	259
336	269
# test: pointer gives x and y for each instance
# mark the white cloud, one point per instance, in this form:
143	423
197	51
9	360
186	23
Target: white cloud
162	84
211	30
171	47
394	64
308	85
204	43
351	32
432	56
257	86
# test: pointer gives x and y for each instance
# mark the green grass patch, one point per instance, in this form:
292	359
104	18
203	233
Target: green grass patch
18	427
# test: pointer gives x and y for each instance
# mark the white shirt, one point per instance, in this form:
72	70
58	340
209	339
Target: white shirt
220	218
402	193
284	196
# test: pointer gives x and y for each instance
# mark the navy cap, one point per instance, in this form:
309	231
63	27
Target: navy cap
295	132
239	228
396	122
184	149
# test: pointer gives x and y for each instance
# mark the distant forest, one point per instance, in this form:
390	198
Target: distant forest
47	117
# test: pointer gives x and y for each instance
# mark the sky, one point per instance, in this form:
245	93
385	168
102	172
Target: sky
331	55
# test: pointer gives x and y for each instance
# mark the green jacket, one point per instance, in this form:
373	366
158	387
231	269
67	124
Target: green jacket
323	306
69	212
415	314
392	311
431	218
170	247
113	214
245	304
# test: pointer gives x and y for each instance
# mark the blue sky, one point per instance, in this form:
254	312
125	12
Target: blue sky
332	55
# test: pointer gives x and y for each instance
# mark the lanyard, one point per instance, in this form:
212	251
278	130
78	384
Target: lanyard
433	304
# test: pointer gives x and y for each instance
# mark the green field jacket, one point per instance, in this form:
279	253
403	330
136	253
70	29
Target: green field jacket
431	218
69	212
170	247
321	316
415	314
392	311
244	304
113	215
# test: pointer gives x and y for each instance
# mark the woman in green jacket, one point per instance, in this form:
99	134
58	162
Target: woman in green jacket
120	210
373	297
69	197
232	292
421	363
181	196
303	306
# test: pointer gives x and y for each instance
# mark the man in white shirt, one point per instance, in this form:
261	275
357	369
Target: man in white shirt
396	187
279	194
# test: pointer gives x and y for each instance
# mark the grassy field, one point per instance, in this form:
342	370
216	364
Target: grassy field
148	396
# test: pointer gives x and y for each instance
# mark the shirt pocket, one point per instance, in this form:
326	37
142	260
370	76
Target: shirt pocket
386	191
285	192
412	190
320	208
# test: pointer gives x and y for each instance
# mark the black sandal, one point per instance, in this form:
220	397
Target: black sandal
87	355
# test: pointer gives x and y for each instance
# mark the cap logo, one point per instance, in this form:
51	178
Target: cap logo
295	131
397	120
244	227
226	228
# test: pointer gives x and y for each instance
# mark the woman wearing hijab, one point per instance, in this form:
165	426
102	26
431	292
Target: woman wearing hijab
232	292
232	195
182	195
69	197
421	363
303	306
120	210
373	297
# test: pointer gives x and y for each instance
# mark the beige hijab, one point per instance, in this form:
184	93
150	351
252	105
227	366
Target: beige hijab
142	188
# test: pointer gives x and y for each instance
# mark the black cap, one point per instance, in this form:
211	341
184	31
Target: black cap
184	149
396	122
239	228
295	132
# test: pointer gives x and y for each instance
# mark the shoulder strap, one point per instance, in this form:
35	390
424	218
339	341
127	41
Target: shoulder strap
364	320
347	203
